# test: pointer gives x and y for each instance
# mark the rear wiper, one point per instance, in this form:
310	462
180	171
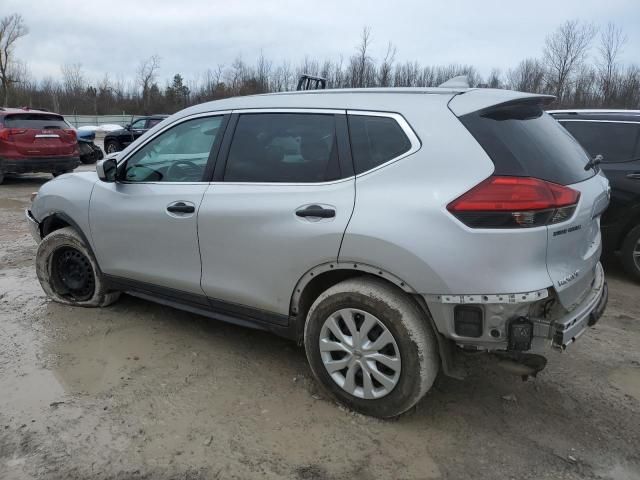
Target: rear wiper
594	162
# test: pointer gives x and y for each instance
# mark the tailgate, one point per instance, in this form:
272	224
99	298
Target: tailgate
39	135
574	247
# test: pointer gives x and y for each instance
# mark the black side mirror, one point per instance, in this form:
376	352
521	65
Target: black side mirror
107	169
127	126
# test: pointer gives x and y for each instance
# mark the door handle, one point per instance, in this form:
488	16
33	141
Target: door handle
316	211
180	207
634	176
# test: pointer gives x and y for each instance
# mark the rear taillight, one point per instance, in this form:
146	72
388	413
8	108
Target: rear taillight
6	133
72	133
514	202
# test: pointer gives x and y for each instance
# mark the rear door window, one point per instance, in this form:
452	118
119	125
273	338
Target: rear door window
36	121
523	140
375	140
616	142
283	147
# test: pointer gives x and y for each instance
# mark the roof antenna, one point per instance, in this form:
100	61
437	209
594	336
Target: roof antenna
461	81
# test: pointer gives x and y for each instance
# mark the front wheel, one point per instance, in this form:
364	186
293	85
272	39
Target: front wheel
371	347
112	146
630	253
68	271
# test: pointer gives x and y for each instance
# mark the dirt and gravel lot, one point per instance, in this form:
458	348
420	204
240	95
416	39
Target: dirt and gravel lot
138	390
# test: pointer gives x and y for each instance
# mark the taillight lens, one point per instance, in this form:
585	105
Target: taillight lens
514	202
72	133
6	133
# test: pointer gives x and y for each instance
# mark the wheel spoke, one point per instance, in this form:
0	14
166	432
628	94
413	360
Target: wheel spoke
327	345
369	322
367	383
335	365
384	339
386	382
347	317
350	379
332	324
392	362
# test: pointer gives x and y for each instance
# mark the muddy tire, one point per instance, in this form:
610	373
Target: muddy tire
380	337
68	271
630	253
1	177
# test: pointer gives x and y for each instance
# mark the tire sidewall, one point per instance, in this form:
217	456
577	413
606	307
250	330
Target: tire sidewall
407	391
66	237
627	252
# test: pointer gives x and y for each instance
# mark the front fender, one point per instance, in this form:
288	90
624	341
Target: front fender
67	197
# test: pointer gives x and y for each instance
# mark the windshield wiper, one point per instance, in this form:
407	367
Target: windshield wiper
594	162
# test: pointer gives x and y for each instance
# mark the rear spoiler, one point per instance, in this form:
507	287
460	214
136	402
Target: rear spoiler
485	98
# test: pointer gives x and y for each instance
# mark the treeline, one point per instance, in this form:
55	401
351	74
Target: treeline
579	64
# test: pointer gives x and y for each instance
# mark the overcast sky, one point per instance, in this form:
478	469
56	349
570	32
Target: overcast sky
190	36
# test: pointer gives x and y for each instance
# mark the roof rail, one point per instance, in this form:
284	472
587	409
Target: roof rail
310	82
461	81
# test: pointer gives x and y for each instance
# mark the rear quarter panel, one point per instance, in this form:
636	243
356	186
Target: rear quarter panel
400	222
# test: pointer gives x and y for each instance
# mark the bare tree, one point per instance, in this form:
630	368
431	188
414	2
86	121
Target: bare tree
528	76
612	41
360	64
12	27
564	52
146	76
386	67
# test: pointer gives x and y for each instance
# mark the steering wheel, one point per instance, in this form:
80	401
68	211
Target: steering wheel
183	171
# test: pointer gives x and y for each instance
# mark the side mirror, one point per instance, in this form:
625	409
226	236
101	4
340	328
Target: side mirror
127	126
107	169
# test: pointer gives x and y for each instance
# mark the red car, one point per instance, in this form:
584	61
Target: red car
36	141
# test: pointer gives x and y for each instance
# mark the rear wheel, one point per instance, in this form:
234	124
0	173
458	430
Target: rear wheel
68	272
371	347
1	177
112	146
630	253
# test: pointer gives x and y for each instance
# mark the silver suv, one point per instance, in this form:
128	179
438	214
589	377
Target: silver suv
384	229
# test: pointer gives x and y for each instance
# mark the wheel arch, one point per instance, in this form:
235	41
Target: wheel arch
324	276
57	220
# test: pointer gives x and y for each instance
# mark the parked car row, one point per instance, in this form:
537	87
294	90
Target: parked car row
386	230
34	140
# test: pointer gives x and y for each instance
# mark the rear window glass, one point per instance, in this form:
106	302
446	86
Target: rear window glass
616	142
522	140
36	121
375	140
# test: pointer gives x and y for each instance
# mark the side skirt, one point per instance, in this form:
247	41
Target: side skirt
201	305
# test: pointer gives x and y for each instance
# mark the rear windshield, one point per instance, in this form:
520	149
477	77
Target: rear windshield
522	140
37	121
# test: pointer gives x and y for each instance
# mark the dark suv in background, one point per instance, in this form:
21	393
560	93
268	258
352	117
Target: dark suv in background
119	139
36	141
614	134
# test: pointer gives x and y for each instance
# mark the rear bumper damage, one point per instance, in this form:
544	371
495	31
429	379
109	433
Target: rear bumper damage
566	330
528	321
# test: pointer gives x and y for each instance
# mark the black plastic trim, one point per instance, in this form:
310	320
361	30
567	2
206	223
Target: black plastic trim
203	305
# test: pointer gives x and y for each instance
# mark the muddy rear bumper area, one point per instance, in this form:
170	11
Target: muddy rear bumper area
46	165
567	329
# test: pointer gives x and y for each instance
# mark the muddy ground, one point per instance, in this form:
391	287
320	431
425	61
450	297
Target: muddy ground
138	390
